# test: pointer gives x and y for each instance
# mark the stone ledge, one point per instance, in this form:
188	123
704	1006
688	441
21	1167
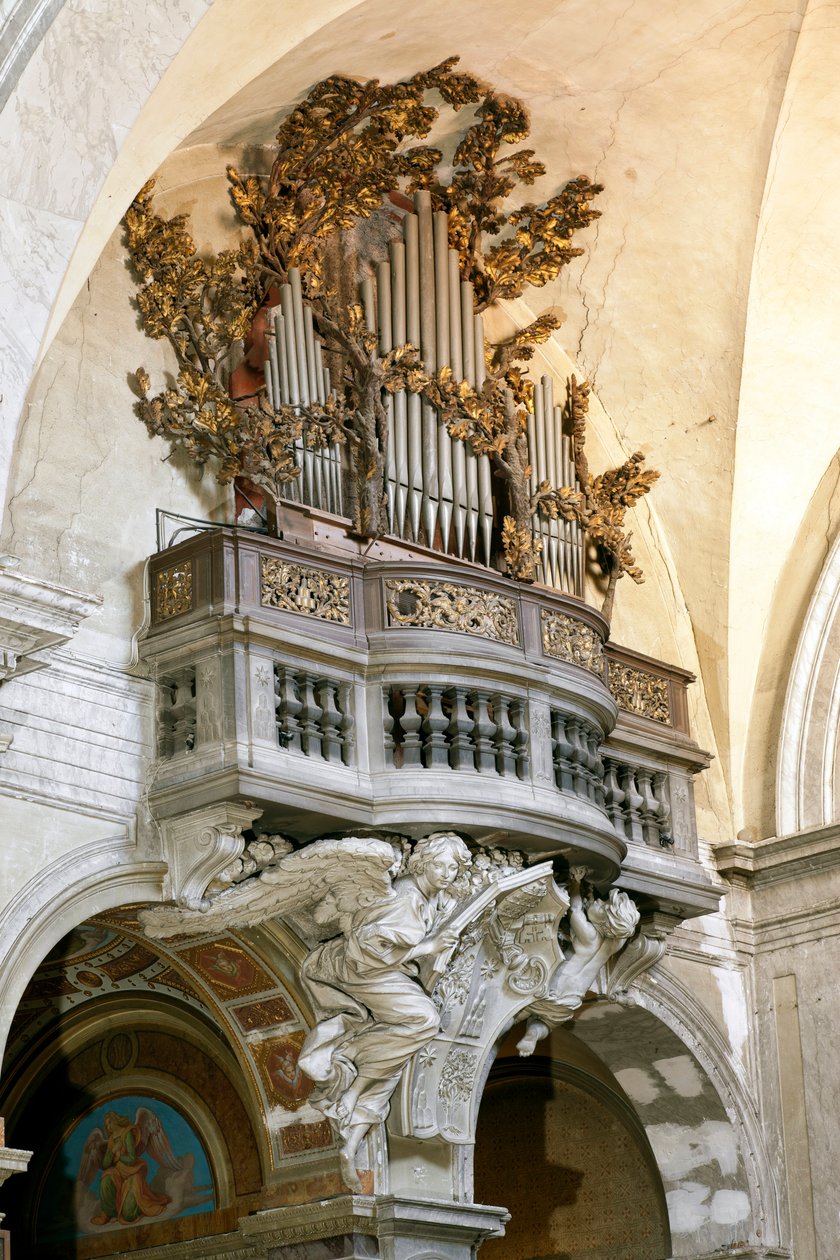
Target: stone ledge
779	858
36	618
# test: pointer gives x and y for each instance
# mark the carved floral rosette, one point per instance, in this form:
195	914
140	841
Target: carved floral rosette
504	962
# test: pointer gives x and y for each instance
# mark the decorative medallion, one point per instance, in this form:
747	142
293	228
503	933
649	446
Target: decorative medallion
174	590
570	640
640	692
447	606
285	1082
298	589
228	969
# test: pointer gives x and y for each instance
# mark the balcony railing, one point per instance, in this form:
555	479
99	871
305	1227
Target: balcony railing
338	690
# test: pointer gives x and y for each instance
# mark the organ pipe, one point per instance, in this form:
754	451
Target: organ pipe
439	492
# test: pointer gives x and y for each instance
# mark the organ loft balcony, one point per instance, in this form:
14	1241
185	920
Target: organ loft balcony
329	683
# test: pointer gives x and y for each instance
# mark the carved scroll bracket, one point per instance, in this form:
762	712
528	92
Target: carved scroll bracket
200	845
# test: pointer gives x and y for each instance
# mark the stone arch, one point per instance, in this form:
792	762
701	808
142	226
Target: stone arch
678	1071
807	787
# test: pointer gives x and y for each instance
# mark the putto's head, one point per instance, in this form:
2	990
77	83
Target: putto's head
439	858
617	917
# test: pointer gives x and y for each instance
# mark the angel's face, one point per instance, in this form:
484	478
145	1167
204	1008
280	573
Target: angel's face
441	872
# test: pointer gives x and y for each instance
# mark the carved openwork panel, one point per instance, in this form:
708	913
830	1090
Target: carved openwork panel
174	591
639	691
302	589
450	606
569	640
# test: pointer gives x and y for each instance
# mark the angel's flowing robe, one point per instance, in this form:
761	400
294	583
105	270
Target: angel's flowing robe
376	1013
124	1192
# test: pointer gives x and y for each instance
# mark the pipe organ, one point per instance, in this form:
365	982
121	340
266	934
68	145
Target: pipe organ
440	493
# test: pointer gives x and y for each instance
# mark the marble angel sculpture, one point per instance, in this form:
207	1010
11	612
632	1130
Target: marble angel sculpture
378	934
599	929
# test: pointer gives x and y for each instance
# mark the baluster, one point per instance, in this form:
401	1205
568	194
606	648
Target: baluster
663	808
597	766
578	757
647	809
309	716
388	721
412	720
182	712
460	726
521	746
632	804
563	751
287	707
504	736
347	725
325	694
435	748
482	732
614	797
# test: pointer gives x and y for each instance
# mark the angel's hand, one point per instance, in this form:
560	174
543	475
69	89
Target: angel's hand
577	874
447	939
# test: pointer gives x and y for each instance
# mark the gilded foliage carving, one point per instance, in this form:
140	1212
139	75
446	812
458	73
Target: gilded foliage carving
339	155
298	588
449	606
640	692
570	640
174	590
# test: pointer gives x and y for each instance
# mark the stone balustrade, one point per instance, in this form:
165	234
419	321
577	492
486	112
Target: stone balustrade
335	690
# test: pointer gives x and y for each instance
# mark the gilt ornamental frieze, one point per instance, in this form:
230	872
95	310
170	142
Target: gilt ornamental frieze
638	691
431	605
569	640
298	588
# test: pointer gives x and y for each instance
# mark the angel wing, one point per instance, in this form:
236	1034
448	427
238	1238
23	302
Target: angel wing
93	1154
318	888
153	1139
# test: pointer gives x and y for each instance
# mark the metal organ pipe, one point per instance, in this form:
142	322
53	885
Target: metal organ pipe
438	490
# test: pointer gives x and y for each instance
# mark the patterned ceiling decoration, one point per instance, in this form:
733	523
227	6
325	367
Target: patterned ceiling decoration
109	955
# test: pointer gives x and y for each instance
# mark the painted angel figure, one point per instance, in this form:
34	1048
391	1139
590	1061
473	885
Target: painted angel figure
599	929
125	1195
379	934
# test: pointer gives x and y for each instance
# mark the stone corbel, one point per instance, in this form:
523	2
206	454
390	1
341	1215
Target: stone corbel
36	618
639	955
200	845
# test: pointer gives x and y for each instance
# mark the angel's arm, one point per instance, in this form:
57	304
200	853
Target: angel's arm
583	933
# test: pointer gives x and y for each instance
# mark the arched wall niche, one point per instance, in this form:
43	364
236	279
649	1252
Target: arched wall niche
156	1062
694	1101
807	771
563	1149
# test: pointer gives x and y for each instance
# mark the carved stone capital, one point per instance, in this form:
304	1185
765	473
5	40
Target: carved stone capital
36	618
12	1161
200	845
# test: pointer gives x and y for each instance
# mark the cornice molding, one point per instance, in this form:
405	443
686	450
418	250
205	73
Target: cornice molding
779	858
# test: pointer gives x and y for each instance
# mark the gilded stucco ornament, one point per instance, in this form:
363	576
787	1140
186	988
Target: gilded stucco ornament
302	589
639	691
174	590
449	606
568	639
